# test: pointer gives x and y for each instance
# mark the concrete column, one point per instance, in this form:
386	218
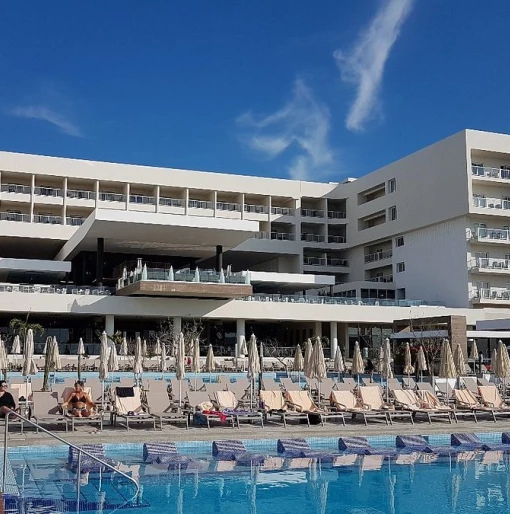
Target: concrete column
186	201
344	339
240	331
64	206
317	331
109	324
127	192
219	258
32	192
177	323
333	338
99	261
157	193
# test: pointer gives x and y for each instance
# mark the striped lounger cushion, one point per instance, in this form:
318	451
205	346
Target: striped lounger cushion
86	462
301	449
417	443
466	440
235	450
164	453
361	446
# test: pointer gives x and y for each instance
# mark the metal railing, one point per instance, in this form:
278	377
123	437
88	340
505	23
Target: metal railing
489	263
490	203
141	199
381	278
81	194
256	209
336	239
171	202
49	219
200	204
312	213
377	256
74	221
79	450
321	261
16	188
112	197
490	294
282	211
277	236
54	289
227	206
492	234
312	238
484	171
336	215
15	216
48	191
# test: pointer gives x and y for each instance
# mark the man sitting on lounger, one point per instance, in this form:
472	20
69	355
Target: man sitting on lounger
82	405
6	400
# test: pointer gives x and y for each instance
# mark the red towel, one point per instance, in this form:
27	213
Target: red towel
222	416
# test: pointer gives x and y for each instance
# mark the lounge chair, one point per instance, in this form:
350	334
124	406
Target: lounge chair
161	408
408	400
299	448
417	443
270	384
241	392
361	446
160	386
129	407
88	464
350	382
466	400
302	401
274	404
470	384
197	384
180	389
346	401
235	450
425	386
228	404
211	388
46	411
372	398
289	385
490	397
484	382
199	402
95	417
394	383
165	453
408	382
468	441
445	390
431	399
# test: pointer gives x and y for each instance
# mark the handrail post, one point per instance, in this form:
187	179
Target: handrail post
4	466
78	478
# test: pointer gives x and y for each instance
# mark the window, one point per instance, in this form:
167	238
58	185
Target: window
399	241
392	213
392	185
401	267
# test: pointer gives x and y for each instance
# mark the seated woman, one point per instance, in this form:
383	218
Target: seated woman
6	400
80	403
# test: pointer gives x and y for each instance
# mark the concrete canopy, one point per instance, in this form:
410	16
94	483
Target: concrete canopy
127	231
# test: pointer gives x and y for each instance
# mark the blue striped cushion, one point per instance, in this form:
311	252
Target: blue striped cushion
505	437
415	442
353	444
228	449
153	451
292	447
97	450
470	440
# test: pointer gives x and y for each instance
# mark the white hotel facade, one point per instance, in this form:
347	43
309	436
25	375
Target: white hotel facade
427	235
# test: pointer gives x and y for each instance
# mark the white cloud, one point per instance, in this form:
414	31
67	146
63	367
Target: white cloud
364	64
302	124
42	112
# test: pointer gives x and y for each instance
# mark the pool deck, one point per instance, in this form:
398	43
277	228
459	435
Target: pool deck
145	433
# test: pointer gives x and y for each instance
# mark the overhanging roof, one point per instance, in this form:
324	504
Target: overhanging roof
290	282
129	231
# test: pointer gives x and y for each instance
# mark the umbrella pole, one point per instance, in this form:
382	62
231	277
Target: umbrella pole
180	394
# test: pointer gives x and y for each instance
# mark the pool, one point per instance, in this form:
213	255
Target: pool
370	484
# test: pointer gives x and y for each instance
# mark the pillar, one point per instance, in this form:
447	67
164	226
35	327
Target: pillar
109	324
177	324
219	258
99	261
333	333
344	339
317	332
240	332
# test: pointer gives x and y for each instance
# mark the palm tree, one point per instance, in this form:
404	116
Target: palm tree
21	327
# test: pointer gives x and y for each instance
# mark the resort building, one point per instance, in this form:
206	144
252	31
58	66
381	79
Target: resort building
87	246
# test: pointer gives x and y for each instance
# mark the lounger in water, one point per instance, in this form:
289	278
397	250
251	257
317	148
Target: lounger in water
472	442
299	448
88	464
361	446
235	450
417	443
165	453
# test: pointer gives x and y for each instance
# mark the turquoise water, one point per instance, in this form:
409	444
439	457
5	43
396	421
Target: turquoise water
470	482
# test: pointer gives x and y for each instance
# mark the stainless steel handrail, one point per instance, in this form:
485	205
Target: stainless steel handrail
71	445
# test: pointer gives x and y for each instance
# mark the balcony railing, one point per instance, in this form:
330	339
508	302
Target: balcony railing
312	213
383	278
321	261
282	211
336	215
74	221
142	200
277	236
81	194
483	171
226	206
497	294
491	203
15	216
112	197
256	209
378	256
171	202
336	239
200	204
312	238
489	263
16	188
491	234
48	219
54	289
48	191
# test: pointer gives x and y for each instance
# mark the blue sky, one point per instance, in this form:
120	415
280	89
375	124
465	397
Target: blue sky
288	88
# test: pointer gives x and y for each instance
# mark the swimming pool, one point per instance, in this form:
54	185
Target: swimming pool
370	484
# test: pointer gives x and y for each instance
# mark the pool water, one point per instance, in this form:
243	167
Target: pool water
412	483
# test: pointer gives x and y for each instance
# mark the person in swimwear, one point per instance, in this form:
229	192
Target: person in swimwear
79	402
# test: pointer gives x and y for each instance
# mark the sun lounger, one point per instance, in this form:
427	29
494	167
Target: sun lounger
408	400
346	401
227	402
299	448
472	442
417	443
46	411
302	401
470	384
289	385
242	393
491	398
130	408
270	384
165	453
274	404
350	383
466	400
425	386
88	464
431	399
200	404
235	450
484	382
409	383
361	446
394	383
372	398
161	408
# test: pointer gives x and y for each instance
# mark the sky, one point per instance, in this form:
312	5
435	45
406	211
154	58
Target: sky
290	88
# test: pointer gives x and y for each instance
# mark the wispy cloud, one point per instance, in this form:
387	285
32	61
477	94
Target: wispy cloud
45	113
363	65
301	127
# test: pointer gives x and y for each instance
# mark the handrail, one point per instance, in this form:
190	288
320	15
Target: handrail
71	445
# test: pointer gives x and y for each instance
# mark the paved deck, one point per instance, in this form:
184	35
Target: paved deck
272	430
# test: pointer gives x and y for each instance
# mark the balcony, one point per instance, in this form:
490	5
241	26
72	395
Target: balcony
171	202
490	265
54	289
16	188
378	256
112	197
312	238
81	194
312	213
491	235
491	203
74	221
226	206
15	216
275	236
256	209
282	211
485	172
491	295
385	279
142	200
329	262
48	191
48	219
200	204
336	215
336	239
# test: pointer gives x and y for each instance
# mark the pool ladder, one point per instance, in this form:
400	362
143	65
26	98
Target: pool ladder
71	445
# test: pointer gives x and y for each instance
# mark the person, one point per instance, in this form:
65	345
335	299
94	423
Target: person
6	400
369	368
81	404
